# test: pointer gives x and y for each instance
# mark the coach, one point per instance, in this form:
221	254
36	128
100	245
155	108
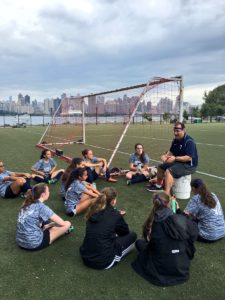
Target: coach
180	160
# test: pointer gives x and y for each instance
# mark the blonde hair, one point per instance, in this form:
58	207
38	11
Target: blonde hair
33	195
105	198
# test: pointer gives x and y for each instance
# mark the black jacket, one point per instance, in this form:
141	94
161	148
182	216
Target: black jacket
166	259
100	246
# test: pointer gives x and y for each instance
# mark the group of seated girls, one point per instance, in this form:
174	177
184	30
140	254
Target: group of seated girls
167	245
166	248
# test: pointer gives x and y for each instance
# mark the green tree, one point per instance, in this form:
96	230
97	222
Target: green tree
185	115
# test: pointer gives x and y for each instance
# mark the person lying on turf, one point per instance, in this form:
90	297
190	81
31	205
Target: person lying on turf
13	184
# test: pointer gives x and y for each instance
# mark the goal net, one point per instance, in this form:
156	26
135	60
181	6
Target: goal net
112	122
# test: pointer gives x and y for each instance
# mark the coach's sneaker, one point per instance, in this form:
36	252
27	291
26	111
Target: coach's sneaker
155	188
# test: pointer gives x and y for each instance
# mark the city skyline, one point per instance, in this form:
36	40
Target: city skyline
95	45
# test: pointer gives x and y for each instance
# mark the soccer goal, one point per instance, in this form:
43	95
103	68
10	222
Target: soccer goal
112	122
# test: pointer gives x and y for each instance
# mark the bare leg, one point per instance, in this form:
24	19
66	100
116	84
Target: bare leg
54	174
168	182
17	185
130	174
84	203
160	175
57	231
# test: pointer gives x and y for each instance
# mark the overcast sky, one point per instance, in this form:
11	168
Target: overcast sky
82	46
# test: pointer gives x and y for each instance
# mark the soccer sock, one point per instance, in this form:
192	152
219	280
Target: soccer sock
26	186
59	175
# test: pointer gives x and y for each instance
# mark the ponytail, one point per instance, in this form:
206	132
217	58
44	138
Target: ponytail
160	201
33	195
73	165
74	175
105	198
203	191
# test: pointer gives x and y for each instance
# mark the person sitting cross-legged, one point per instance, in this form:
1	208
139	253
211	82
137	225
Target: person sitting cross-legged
139	165
45	169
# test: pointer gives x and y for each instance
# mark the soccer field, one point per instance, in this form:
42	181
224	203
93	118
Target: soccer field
58	272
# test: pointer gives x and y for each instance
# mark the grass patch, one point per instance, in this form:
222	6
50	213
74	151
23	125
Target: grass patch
58	272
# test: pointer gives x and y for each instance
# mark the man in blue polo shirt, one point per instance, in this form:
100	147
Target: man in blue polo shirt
180	160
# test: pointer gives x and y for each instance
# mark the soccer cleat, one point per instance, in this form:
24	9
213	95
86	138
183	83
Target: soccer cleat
71	229
52	181
155	188
128	182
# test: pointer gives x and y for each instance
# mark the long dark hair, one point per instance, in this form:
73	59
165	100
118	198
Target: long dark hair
142	156
105	198
160	201
73	165
33	195
202	190
74	175
43	153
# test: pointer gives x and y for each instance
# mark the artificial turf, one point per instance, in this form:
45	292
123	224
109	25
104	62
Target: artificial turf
58	272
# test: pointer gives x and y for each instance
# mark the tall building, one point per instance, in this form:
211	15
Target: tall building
21	100
27	100
92	104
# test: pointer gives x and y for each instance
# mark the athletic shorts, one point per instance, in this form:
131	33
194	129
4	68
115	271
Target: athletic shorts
178	169
45	242
9	193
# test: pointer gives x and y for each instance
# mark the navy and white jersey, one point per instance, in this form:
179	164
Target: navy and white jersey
135	160
74	194
185	146
4	184
94	160
211	222
29	234
44	166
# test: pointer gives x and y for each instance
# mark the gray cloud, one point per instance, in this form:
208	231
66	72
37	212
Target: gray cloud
111	44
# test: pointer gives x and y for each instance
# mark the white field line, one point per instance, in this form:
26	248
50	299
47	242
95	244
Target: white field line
126	153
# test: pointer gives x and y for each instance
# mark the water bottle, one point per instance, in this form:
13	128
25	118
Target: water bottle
174	206
94	185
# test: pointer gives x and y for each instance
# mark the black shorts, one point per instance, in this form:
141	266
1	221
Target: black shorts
45	242
9	193
178	169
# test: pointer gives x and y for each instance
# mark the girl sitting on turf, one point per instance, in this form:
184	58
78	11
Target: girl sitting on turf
75	163
139	165
107	237
168	245
205	207
33	231
95	166
12	184
79	193
45	169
